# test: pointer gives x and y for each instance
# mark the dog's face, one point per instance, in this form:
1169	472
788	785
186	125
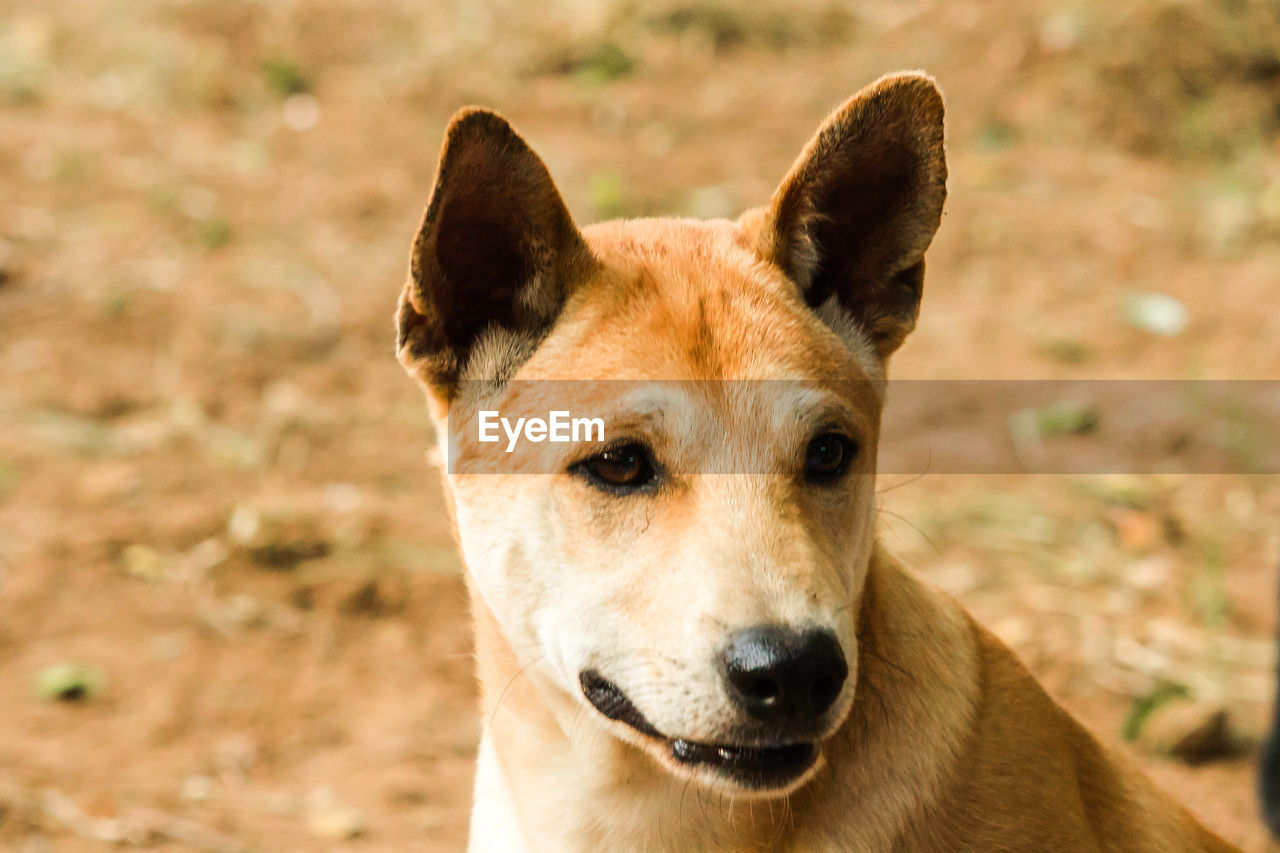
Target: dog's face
693	580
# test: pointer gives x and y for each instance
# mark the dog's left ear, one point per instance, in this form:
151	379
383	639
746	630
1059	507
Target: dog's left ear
854	216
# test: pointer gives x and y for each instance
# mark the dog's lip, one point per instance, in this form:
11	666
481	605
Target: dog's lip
763	764
607	698
758	765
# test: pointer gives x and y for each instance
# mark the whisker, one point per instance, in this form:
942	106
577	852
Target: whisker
914	477
908	522
503	695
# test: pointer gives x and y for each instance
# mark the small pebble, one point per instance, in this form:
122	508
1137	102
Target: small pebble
329	819
197	788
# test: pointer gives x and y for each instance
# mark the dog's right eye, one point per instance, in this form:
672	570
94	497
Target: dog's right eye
620	469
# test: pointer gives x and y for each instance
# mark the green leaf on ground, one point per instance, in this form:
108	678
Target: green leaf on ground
1144	706
70	682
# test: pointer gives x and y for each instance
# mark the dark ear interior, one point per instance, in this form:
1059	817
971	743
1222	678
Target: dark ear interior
854	216
497	252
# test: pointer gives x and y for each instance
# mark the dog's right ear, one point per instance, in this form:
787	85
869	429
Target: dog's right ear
494	259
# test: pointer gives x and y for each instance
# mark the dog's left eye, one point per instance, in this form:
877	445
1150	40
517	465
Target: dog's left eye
619	469
828	457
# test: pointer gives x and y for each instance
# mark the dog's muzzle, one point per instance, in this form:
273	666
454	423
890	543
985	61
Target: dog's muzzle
759	765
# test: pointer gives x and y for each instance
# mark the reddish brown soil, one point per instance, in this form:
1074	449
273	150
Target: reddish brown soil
212	473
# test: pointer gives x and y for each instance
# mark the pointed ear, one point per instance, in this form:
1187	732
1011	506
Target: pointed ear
493	262
853	218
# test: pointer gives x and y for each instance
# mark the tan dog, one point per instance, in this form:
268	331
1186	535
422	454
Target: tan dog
688	637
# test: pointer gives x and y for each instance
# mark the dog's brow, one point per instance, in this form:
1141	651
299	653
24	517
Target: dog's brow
664	408
817	408
646	407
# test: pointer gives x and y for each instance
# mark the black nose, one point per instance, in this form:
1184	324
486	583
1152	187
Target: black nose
780	675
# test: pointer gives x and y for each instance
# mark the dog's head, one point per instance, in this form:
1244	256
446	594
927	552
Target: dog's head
694	581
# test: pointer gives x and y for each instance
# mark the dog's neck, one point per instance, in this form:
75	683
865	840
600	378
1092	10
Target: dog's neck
570	785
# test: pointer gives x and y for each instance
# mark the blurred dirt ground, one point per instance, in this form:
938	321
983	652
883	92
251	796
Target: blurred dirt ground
213	494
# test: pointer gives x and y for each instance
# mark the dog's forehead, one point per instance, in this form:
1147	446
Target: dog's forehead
687	299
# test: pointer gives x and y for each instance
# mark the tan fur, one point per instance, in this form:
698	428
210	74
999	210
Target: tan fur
939	740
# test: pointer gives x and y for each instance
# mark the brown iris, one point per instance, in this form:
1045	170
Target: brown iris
828	457
623	468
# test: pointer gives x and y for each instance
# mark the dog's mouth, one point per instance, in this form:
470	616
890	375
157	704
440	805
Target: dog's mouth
756	767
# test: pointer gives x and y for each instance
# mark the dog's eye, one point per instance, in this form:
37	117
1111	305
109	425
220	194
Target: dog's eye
620	468
828	457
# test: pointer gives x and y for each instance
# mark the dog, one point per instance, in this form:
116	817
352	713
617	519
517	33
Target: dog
688	636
